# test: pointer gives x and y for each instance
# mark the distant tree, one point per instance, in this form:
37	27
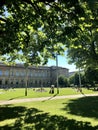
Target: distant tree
63	81
91	75
74	79
66	82
83	80
71	80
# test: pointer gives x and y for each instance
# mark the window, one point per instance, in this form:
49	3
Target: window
31	74
22	73
6	72
17	83
6	82
17	73
35	81
44	75
22	81
11	82
0	82
40	74
0	72
35	74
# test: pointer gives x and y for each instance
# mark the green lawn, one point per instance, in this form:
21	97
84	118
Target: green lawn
65	114
61	114
20	93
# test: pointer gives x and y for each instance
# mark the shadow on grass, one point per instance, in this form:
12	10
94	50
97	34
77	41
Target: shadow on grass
34	119
50	97
7	112
85	107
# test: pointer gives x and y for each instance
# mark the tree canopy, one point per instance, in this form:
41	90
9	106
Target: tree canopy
35	30
83	50
91	75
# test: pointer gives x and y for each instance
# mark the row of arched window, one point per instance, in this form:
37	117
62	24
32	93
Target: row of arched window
23	73
19	83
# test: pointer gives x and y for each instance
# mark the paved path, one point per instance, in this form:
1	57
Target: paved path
14	101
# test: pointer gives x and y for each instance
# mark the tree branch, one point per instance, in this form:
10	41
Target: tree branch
2	19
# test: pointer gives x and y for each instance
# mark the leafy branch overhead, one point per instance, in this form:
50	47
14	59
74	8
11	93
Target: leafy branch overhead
83	50
35	30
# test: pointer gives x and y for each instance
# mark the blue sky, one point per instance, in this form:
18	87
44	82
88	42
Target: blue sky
62	62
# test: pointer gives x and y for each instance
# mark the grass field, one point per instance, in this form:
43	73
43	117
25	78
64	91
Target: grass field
61	114
20	93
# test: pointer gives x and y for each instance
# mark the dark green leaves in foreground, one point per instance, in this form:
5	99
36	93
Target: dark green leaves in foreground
34	31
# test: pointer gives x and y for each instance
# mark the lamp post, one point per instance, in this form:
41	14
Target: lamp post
26	84
57	72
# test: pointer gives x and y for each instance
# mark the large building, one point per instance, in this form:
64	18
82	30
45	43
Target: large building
17	75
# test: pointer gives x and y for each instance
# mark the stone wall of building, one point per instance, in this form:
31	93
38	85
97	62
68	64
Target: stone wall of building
18	76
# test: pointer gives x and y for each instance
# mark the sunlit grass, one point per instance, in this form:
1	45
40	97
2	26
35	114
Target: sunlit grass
20	93
82	112
58	107
34	113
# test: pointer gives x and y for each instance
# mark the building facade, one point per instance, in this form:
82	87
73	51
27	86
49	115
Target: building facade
41	76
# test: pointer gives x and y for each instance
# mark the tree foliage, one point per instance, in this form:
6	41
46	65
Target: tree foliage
91	75
83	50
63	81
74	79
34	30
